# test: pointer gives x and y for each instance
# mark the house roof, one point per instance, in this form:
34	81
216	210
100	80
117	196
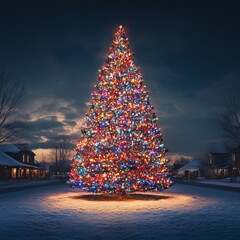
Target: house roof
193	165
218	154
6	160
9	148
14	148
36	161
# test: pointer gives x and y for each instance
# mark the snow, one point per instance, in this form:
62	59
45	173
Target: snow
54	213
9	148
193	166
222	182
36	161
6	160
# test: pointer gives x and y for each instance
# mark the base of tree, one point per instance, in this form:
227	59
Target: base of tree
120	197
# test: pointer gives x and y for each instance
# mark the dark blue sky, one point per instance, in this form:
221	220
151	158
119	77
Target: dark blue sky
188	52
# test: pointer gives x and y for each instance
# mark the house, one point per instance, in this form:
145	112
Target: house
235	161
11	168
219	165
19	152
191	170
17	162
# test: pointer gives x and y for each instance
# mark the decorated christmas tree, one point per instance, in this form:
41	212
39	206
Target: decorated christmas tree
121	148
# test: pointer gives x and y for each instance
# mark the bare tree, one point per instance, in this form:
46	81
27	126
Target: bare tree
229	121
61	152
10	95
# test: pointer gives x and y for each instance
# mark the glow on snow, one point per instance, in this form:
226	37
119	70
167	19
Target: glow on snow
178	202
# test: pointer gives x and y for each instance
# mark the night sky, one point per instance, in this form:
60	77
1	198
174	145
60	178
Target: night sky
188	51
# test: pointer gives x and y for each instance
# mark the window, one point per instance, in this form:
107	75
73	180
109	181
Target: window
14	173
25	158
27	172
20	172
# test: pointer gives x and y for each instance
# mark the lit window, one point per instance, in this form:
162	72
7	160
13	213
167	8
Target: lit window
14	173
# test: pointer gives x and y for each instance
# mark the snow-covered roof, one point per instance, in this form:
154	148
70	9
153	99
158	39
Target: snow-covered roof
193	165
9	148
6	160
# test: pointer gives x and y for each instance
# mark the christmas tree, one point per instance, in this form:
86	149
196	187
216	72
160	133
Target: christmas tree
121	148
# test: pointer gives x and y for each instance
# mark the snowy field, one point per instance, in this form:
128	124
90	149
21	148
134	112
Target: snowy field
54	212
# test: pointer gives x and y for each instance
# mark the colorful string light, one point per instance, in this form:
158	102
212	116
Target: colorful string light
120	149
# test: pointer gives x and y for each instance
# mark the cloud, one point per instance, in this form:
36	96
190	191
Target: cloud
50	118
216	93
188	117
45	124
188	66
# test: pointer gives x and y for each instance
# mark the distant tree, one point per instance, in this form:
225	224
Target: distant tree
10	95
229	121
180	163
61	152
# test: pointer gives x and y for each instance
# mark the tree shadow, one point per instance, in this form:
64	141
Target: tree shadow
117	197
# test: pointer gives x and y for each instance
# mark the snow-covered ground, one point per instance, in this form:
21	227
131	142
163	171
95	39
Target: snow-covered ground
54	212
221	182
